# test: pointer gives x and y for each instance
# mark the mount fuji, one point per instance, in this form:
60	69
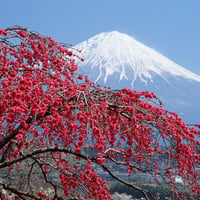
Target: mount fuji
118	60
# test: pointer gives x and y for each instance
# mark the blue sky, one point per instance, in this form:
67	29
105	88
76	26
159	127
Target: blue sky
171	27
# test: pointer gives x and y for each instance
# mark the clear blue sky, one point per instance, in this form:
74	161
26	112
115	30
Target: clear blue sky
172	27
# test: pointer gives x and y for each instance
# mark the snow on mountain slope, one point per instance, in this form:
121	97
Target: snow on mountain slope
118	60
117	52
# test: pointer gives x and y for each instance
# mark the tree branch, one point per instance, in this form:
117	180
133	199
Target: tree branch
93	159
18	192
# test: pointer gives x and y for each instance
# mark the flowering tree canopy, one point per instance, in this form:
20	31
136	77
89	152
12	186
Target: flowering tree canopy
57	128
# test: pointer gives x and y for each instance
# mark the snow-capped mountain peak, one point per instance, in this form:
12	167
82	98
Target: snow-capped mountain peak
115	52
118	60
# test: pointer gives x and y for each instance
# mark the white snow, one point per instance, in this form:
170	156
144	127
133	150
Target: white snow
114	52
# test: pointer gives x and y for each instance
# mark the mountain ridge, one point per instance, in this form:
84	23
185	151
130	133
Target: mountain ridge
117	60
115	52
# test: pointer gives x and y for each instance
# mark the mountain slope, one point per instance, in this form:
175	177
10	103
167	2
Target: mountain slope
118	60
115	52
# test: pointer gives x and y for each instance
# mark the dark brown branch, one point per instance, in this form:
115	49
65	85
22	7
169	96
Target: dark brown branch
143	191
93	159
40	151
46	178
18	192
6	153
9	137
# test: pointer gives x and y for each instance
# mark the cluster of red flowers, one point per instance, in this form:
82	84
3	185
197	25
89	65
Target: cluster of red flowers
43	106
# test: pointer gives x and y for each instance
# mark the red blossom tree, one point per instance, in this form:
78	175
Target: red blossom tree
56	128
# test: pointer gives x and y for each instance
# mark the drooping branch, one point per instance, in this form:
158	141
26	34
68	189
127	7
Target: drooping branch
143	191
19	193
53	115
80	155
